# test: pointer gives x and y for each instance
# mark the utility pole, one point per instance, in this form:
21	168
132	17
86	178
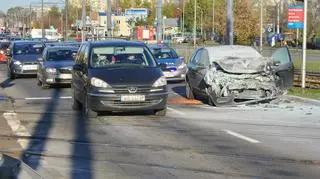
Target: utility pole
304	48
42	23
201	24
195	25
230	22
30	18
278	16
108	13
83	19
67	13
159	20
213	5
261	25
183	10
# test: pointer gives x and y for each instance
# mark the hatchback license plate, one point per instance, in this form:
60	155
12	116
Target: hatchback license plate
30	67
133	98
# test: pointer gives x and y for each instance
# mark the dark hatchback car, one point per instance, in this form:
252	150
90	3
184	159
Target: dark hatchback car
176	68
23	58
55	66
118	76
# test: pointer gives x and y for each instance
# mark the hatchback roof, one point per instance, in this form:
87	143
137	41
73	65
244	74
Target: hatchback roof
62	47
116	43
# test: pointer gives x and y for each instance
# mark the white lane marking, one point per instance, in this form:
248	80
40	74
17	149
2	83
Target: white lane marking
17	128
47	98
175	111
241	136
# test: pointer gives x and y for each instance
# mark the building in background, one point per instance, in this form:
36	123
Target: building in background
120	26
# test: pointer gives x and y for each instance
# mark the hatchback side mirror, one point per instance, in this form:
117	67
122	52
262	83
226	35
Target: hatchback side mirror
77	67
8	53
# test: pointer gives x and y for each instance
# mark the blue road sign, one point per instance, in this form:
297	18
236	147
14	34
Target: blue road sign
295	25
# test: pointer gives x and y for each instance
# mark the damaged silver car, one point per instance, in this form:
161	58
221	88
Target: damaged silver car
238	74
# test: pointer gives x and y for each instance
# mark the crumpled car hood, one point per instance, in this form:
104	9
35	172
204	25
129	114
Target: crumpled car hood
247	78
245	65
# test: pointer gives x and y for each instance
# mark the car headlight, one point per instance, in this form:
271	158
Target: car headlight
182	66
17	63
96	82
162	81
1	51
51	70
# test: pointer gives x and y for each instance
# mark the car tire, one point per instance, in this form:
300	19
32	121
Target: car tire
161	112
189	92
44	85
11	75
76	105
39	83
86	111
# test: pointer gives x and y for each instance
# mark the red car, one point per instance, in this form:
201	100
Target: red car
3	49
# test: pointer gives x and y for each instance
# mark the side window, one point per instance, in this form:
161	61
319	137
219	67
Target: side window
86	55
80	55
204	58
282	55
197	57
43	55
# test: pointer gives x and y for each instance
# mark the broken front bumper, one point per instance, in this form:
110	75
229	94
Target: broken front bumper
225	88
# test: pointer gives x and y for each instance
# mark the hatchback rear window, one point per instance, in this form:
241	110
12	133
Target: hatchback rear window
27	49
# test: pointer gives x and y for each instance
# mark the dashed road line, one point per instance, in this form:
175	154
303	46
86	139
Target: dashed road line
176	111
240	136
47	98
17	128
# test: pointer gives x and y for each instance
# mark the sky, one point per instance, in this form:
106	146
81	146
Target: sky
6	4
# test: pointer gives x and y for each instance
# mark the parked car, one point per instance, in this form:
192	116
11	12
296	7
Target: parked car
4	45
176	68
23	58
117	76
236	74
55	66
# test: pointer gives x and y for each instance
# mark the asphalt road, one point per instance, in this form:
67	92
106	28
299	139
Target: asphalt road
277	140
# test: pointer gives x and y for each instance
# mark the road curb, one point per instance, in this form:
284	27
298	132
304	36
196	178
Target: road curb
303	100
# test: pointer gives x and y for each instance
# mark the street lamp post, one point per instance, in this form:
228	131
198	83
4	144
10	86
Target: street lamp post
230	22
83	19
304	48
42	25
67	13
182	20
183	10
195	25
261	24
213	4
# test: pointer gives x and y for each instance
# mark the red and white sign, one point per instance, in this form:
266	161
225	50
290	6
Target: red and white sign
295	15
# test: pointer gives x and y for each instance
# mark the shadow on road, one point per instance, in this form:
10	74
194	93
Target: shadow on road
180	90
6	83
81	166
42	129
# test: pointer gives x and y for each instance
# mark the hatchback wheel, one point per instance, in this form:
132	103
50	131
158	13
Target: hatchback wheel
44	85
11	75
189	92
86	111
161	112
39	83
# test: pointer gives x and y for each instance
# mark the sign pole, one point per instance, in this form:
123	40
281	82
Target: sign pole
297	39
304	48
